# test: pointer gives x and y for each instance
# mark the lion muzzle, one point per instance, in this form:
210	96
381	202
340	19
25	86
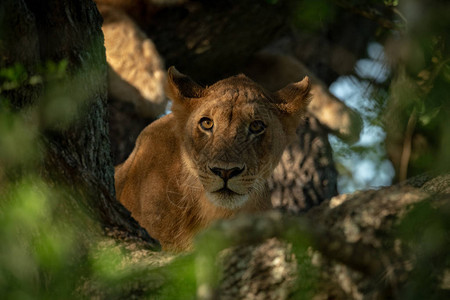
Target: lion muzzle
226	174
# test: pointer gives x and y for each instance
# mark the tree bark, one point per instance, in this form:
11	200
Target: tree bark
77	153
359	251
306	175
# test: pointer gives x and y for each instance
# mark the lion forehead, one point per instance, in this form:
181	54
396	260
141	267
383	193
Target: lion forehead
246	101
238	89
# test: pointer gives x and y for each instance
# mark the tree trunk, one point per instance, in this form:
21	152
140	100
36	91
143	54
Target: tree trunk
77	152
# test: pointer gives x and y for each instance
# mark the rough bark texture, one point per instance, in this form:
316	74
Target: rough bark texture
306	175
358	251
77	155
269	272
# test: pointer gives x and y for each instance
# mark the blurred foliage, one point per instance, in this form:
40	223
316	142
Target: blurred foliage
37	249
41	254
419	103
425	230
16	76
402	94
313	15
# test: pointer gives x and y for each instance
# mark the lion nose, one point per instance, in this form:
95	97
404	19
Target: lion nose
226	174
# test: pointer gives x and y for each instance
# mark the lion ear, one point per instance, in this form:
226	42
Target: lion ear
294	98
181	87
292	101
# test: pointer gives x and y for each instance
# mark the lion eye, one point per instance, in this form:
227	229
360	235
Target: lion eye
206	123
257	127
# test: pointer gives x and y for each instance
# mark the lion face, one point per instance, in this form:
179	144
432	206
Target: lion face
233	134
230	143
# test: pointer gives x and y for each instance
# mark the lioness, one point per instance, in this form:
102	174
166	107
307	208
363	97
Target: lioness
210	158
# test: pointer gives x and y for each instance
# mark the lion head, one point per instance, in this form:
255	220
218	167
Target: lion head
234	132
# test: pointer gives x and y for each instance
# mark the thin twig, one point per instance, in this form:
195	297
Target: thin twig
407	145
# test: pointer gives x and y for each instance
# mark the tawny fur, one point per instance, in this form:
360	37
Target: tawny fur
168	183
